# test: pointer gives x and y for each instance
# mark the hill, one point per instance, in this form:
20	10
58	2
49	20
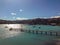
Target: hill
49	21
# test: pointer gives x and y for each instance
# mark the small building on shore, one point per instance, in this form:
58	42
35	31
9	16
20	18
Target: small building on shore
53	24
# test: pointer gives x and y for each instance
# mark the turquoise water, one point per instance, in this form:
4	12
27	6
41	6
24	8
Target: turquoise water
42	27
22	38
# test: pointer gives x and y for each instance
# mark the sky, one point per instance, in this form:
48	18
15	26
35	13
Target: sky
29	9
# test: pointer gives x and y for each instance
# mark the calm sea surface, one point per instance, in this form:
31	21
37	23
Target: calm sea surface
22	38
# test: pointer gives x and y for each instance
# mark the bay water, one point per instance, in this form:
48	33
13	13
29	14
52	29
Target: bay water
22	38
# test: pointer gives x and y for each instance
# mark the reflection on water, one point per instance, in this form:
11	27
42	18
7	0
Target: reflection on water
13	25
5	33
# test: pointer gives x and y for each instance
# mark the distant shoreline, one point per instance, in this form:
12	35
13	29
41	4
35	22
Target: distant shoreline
37	21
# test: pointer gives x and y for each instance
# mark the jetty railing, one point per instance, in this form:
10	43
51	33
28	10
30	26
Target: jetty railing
45	32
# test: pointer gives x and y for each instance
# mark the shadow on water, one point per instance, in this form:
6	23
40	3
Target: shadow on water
50	43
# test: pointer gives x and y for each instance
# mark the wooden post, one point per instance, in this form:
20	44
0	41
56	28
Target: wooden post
29	31
21	30
50	33
56	34
33	31
36	32
25	30
46	33
41	32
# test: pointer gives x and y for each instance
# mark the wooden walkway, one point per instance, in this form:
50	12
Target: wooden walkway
51	32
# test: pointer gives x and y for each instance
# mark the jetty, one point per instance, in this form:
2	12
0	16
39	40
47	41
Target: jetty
42	32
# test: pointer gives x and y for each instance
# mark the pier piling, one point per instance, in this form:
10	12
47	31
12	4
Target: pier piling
45	33
55	33
29	31
33	31
51	33
36	32
41	32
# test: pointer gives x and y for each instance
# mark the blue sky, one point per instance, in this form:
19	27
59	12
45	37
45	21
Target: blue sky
27	9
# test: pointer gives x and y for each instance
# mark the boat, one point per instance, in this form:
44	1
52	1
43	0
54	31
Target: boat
10	29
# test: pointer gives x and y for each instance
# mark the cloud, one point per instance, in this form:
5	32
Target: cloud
20	10
18	18
41	17
13	13
45	17
55	17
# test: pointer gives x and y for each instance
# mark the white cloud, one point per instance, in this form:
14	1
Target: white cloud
18	18
55	17
13	13
45	17
21	10
41	17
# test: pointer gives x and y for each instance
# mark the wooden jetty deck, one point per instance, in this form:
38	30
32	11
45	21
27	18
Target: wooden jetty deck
47	32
